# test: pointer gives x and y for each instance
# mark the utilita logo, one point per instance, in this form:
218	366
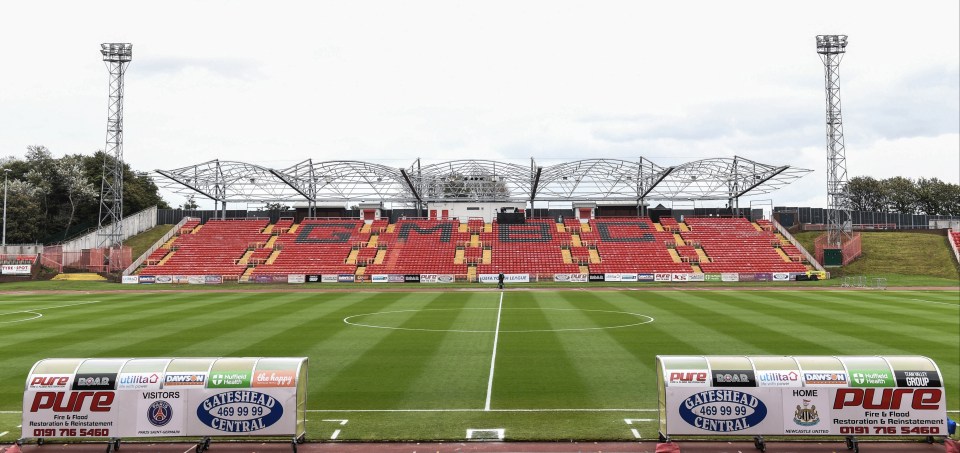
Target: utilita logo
75	402
889	398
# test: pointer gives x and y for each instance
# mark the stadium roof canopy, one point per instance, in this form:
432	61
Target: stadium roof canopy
598	180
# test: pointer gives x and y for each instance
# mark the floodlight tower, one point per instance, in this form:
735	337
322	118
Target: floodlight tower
831	49
116	56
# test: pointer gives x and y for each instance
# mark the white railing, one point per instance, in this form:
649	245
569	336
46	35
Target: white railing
816	265
953	244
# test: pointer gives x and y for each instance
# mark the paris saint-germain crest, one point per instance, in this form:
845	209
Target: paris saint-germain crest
159	413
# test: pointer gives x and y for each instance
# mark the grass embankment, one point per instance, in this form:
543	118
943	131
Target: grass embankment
923	258
143	241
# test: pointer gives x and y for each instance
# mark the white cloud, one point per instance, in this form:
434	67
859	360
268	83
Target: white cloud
393	81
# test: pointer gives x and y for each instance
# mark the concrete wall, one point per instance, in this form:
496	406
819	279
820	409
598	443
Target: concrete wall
132	225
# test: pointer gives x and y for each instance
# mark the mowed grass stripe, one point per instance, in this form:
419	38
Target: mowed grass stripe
883	308
179	331
716	331
76	333
384	363
666	335
790	311
239	323
333	346
460	363
534	369
312	319
860	331
610	373
921	323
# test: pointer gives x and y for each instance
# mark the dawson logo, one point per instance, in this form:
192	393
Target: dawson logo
825	378
159	413
184	379
806	415
261	411
723	411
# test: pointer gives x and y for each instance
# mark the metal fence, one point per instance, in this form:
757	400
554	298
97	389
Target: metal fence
789	216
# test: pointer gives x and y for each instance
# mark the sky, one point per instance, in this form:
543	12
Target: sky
275	83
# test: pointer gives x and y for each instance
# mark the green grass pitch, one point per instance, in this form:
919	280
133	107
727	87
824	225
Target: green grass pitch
575	364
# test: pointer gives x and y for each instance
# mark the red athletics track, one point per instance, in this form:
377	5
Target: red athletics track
474	447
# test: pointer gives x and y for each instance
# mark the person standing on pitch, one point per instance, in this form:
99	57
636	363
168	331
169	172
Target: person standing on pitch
500	280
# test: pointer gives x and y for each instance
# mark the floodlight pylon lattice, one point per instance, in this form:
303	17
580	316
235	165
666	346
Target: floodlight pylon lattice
116	56
831	49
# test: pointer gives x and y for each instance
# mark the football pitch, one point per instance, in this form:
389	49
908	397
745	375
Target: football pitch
431	365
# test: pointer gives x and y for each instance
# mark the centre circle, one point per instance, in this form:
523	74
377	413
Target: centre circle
362	320
25	316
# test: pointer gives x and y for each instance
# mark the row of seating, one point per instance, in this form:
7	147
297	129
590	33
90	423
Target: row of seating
253	247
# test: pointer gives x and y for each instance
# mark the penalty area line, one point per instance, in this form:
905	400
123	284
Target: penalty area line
493	358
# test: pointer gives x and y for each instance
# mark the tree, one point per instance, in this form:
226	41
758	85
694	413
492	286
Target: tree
57	197
189	204
931	196
901	194
951	200
24	213
275	207
864	193
75	184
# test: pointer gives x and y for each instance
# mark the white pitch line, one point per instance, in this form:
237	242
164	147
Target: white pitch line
636	434
29	310
479	410
493	358
4	433
934	302
335	434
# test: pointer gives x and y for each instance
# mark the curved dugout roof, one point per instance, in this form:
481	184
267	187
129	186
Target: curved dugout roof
479	180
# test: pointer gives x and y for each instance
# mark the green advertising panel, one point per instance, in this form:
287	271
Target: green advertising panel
229	380
871	378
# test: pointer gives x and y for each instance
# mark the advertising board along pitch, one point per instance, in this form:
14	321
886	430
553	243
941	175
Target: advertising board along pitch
114	398
801	395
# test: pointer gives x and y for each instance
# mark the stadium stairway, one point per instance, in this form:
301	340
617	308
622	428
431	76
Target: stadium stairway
594	255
